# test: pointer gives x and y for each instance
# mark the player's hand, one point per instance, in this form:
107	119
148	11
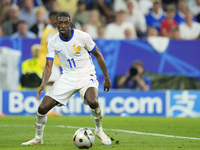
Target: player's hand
40	90
107	85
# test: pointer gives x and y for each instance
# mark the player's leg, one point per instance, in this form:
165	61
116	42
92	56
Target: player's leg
47	104
91	96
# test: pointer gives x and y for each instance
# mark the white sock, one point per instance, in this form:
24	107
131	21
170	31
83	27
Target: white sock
96	113
39	125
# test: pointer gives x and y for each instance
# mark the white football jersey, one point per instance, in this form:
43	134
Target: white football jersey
74	53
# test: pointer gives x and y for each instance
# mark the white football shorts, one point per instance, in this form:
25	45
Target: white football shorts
64	88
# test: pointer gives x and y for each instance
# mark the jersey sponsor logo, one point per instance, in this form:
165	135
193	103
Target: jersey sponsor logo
59	51
76	49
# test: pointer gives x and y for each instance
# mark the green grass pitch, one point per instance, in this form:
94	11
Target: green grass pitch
17	129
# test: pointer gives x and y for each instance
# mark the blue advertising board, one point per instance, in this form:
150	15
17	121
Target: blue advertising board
112	103
116	103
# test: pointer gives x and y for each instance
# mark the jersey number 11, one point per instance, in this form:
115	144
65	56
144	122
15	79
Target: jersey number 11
71	61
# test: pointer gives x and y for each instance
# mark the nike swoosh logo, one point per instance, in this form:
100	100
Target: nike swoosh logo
59	51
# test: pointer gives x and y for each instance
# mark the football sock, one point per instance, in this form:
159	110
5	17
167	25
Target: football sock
96	113
39	125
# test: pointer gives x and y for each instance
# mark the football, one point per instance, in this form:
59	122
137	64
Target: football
83	138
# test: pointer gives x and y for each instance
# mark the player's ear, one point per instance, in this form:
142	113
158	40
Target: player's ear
55	23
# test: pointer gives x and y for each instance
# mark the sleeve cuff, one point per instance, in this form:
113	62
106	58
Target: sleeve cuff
50	58
93	48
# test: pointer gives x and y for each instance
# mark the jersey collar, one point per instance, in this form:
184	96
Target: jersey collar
69	38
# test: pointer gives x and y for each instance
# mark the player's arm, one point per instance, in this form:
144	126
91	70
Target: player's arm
45	77
102	64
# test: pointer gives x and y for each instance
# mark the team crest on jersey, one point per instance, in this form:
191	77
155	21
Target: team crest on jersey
76	49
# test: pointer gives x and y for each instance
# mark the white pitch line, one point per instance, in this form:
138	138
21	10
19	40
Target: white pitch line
136	132
118	130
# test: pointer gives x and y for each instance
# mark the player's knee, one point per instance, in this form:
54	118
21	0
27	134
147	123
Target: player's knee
41	110
93	104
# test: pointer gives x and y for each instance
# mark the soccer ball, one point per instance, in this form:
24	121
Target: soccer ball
83	138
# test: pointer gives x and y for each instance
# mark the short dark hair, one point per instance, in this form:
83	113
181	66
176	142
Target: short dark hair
63	14
52	13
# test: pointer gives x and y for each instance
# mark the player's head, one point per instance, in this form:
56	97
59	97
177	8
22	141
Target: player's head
63	23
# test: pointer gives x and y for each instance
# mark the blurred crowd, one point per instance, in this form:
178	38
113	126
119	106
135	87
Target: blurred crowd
108	19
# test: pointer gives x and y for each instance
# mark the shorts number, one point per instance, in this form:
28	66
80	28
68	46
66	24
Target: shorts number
70	62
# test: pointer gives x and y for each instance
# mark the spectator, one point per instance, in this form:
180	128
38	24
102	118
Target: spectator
4	10
136	17
82	15
22	31
68	5
189	30
9	27
101	32
38	28
180	14
152	32
175	33
135	78
31	70
94	23
116	30
155	17
169	21
27	13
